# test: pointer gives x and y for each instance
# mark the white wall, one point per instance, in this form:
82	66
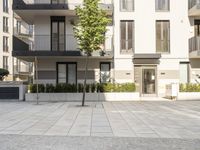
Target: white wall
9	35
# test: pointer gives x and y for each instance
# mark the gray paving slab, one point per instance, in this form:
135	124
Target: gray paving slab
179	120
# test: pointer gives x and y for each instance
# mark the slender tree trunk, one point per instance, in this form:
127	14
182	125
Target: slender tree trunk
85	80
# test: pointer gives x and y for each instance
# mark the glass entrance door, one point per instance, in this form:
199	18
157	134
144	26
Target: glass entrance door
148	81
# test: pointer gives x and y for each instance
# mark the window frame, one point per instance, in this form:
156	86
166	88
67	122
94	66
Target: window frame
126	10
5	24
161	10
67	72
5	62
126	51
169	41
103	63
5	44
5	6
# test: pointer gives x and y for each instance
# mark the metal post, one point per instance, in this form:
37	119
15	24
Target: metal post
36	78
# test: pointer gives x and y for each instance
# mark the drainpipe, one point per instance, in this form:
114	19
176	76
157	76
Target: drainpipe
36	78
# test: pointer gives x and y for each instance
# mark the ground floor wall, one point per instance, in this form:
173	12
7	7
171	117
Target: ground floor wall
47	69
167	71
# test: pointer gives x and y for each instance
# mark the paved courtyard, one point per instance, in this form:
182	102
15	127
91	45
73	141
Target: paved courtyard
179	120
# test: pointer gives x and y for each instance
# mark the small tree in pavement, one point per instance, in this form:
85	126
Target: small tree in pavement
90	31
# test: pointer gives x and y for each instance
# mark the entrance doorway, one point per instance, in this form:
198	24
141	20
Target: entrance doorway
148	81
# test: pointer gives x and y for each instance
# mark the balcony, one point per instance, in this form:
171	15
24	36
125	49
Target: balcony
194	8
28	9
56	46
194	47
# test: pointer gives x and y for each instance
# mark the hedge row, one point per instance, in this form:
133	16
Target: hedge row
92	88
189	87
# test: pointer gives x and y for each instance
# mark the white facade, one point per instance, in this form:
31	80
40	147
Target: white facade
8	34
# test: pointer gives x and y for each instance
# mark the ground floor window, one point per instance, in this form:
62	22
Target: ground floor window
184	72
104	72
67	72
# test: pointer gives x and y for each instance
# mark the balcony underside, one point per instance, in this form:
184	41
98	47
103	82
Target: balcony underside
194	11
195	54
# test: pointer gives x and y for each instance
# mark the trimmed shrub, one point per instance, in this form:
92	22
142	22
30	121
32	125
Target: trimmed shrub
33	88
104	87
189	87
80	88
50	88
93	88
3	73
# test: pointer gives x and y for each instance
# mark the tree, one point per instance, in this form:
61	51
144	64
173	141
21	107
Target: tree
3	73
90	31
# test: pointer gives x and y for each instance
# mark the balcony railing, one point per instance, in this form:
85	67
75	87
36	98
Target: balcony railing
194	43
192	3
63	43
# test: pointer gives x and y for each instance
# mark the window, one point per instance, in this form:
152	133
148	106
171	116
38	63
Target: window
105	72
5	62
197	27
5	24
57	33
162	36
5	44
5	6
126	5
162	5
67	73
58	1
18	26
184	72
127	31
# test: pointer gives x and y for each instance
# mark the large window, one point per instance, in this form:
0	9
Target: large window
5	6
126	5
105	72
58	33
5	24
197	27
5	44
5	62
127	32
184	72
67	73
162	5
162	36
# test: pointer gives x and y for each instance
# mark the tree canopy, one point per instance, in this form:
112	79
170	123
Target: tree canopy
91	27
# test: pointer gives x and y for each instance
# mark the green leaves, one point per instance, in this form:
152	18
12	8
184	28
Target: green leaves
91	28
3	73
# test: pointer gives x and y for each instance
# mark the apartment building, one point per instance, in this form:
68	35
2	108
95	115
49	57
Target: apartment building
9	25
6	18
150	42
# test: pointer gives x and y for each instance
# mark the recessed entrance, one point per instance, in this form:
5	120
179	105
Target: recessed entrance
148	81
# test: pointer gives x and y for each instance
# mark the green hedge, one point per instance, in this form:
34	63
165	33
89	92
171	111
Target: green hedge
189	87
92	88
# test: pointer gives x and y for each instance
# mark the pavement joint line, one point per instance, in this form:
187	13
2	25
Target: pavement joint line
117	108
132	114
40	119
80	108
21	119
59	117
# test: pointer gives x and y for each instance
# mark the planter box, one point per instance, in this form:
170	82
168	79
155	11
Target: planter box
75	97
189	96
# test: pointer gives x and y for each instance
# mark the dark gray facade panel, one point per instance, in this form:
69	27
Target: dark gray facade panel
146	61
9	92
48	75
90	75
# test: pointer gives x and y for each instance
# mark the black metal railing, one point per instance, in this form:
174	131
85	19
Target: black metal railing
63	43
